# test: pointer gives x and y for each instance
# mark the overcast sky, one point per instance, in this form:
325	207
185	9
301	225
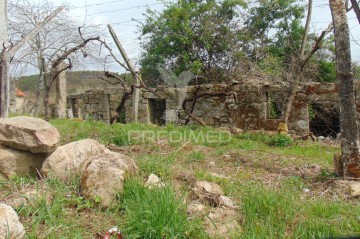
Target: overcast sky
121	13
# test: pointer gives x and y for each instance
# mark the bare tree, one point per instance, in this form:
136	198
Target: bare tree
356	7
348	117
7	52
57	68
49	44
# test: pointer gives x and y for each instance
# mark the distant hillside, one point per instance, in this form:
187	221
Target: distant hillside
77	82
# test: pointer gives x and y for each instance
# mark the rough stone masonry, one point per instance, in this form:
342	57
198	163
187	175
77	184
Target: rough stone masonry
248	107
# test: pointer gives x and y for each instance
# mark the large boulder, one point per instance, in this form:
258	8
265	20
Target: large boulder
15	162
67	160
10	226
30	134
103	177
102	171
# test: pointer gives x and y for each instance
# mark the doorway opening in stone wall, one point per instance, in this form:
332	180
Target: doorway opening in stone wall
324	119
157	108
74	108
275	102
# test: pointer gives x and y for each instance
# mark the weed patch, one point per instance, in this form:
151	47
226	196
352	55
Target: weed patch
155	213
280	141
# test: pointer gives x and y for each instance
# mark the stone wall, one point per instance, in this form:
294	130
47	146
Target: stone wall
95	104
248	107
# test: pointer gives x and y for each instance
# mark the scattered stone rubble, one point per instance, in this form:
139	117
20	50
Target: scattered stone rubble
220	214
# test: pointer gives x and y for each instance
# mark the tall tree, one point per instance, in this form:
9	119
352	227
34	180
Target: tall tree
350	147
197	35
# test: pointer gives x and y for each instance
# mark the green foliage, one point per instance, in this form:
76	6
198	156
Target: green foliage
191	35
272	66
155	213
276	26
280	141
327	71
322	67
356	70
274	111
312	112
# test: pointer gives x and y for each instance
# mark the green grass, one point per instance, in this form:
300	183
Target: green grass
155	213
61	214
282	213
160	165
273	205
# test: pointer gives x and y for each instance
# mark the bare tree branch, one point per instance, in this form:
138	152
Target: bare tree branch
355	5
113	55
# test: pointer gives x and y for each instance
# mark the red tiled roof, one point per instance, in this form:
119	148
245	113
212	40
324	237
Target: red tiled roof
19	93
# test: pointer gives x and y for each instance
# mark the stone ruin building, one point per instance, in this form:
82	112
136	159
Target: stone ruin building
248	107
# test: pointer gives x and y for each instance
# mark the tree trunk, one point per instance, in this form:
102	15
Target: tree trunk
60	99
46	96
3	23
4	80
40	87
134	73
294	82
356	7
295	76
307	26
348	116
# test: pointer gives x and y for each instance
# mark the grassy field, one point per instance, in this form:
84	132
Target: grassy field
262	173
